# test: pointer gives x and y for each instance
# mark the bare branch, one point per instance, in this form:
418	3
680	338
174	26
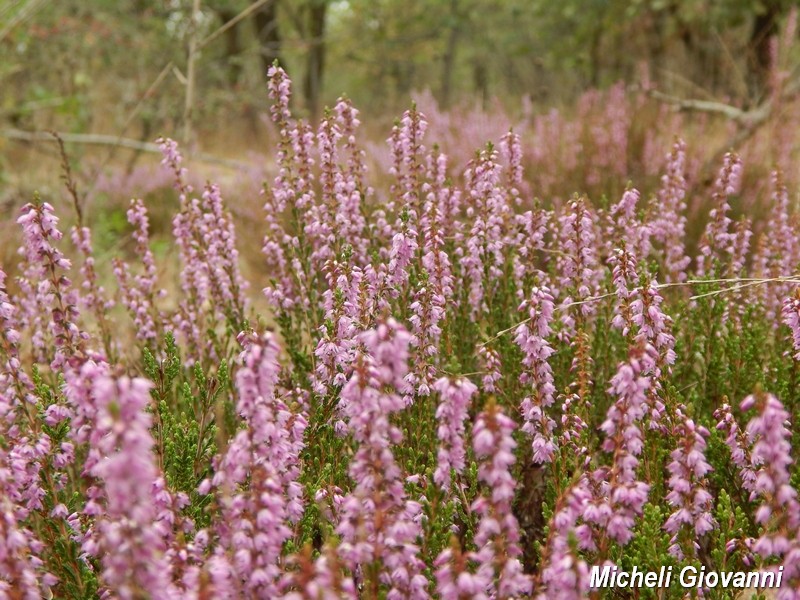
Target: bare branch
96	139
240	17
749	120
737	114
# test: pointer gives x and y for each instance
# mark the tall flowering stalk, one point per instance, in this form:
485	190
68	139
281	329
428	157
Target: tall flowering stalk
740	445
627	227
434	229
53	291
489	214
778	253
94	296
491	366
321	230
409	169
139	292
428	311
497	536
336	345
531	337
19	464
217	233
288	198
435	289
28	443
352	219
717	244
277	431
624	278
779	512
80	389
194	276
577	266
452	414
409	161
401	254
204	232
654	330
511	149
378	524
688	488
257	480
338	217
44	473
668	224
654	325
447	198
571	436
563	573
531	233
620	496
129	537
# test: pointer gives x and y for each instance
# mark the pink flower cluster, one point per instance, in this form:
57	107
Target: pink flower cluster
456	392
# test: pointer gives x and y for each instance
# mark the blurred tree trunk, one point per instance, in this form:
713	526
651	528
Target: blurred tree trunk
233	47
449	59
315	60
268	35
765	26
480	75
594	55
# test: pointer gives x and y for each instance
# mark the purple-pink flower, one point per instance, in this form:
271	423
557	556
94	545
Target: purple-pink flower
452	414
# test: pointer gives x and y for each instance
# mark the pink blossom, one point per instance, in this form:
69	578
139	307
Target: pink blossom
564	574
577	266
129	538
257	478
669	221
54	293
139	292
688	488
771	453
497	537
492	368
531	337
740	445
451	414
620	496
717	245
371	396
489	214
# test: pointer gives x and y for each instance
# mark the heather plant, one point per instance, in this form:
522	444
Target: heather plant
459	390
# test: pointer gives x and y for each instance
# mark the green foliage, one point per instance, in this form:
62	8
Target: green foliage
649	551
187	403
733	525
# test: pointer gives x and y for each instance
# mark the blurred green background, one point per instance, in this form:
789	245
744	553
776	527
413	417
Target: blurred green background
87	65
